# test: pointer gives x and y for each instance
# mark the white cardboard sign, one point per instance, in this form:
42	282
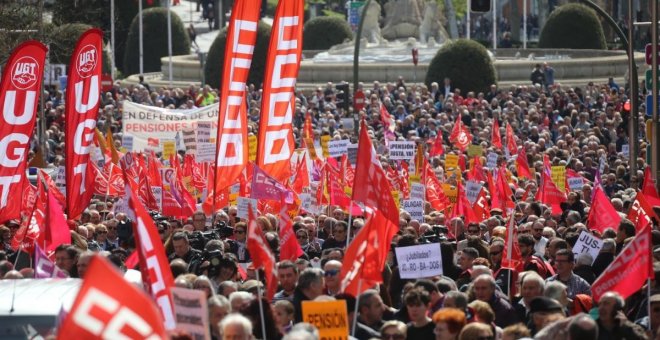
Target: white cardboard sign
491	160
402	150
417	191
242	206
472	189
337	148
419	261
191	312
575	183
415	208
587	243
205	152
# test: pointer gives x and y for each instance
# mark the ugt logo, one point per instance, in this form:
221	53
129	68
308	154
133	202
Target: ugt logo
86	62
24	73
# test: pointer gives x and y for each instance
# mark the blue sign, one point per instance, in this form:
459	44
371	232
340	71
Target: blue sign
649	106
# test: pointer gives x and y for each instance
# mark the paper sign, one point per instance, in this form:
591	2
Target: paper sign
419	261
234	191
352	150
587	243
324	146
60	179
169	148
575	183
491	160
415	208
242	206
451	162
203	132
191	312
252	148
450	191
601	165
417	191
158	194
625	149
402	151
472	189
558	174
329	317
348	123
305	201
475	150
190	140
205	152
337	148
127	142
97	156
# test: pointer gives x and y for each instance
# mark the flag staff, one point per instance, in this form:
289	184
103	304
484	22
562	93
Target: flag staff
355	311
261	305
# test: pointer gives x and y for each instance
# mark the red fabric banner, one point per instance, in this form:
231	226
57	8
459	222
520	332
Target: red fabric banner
511	140
640	212
155	267
602	214
84	84
460	135
262	257
276	142
19	92
109	307
497	138
628	272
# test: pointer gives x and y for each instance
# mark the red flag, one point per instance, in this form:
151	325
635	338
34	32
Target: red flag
640	212
648	187
437	149
477	171
100	180
289	247
278	102
503	192
497	139
84	84
463	206
51	184
522	166
511	141
56	229
261	255
602	214
435	195
31	227
460	135
232	140
386	117
19	92
481	206
511	256
109	307
548	192
155	267
628	272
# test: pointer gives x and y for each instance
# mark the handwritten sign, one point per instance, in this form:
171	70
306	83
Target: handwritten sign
417	191
402	150
203	132
252	148
588	244
205	152
472	189
242	206
419	261
191	312
337	148
558	174
451	162
415	208
475	150
329	317
491	160
575	183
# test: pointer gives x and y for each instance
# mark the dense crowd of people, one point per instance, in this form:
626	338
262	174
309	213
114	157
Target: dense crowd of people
547	297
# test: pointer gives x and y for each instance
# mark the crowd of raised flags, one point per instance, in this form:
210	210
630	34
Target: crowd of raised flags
466	180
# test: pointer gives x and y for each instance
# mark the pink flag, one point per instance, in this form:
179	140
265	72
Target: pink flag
268	188
44	268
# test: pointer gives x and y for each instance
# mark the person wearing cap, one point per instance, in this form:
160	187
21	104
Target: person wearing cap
544	311
655	315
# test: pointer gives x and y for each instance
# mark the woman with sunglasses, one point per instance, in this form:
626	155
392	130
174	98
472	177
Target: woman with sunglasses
393	330
477	331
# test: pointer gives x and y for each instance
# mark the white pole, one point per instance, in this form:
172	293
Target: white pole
467	21
494	3
524	24
140	29
357	302
261	305
169	41
112	38
350	221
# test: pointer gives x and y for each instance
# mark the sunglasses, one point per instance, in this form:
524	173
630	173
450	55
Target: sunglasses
495	253
395	336
331	272
302	237
239	231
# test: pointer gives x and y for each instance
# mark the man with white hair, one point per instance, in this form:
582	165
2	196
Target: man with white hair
236	327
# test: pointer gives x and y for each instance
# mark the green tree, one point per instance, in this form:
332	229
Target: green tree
466	63
573	26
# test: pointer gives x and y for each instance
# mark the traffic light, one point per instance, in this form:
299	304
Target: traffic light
479	5
343	98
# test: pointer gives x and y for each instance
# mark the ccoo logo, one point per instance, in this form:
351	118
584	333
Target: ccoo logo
86	62
24	73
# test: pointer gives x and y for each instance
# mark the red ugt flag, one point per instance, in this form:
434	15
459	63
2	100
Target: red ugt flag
627	273
108	307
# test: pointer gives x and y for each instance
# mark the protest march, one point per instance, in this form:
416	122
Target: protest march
275	213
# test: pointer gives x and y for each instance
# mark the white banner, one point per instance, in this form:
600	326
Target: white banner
149	124
415	208
191	312
337	148
419	261
402	150
587	243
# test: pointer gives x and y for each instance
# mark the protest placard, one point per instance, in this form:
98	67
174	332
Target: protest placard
169	148
417	191
191	312
575	183
625	150
242	206
402	150
305	201
60	179
451	162
351	151
329	317
203	132
415	207
252	148
127	142
234	191
324	146
450	191
558	174
419	261
96	155
491	160
348	124
190	140
475	150
472	189
205	152
587	243
158	194
337	148
311	148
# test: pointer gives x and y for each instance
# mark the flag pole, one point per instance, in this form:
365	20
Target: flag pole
261	305
141	38
355	311
112	38
350	219
169	41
